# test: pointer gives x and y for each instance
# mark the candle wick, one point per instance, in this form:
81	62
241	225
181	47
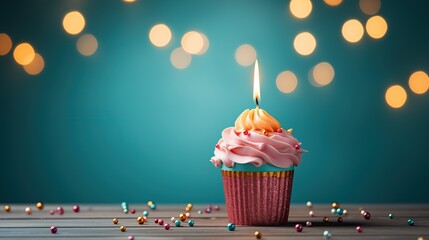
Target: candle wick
257	102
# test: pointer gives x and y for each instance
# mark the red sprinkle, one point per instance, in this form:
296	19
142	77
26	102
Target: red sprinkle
297	147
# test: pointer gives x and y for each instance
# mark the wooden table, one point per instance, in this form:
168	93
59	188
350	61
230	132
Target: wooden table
95	222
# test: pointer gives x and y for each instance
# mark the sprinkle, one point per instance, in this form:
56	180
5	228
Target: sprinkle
133	211
345	212
311	213
130	237
161	222
52	212
231	226
411	222
115	221
340	220
153	206
173	219
155	220
359	229
191	223
391	216
145	213
54	229
335	205
188	215
258	234
208	210
339	211
216	207
308	224
333	211
200	212
309	204
123	228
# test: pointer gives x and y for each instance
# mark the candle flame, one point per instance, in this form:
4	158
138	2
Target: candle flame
256	89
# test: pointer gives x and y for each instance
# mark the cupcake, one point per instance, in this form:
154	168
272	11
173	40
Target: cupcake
257	159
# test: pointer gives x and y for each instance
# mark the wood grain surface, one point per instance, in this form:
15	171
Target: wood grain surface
95	222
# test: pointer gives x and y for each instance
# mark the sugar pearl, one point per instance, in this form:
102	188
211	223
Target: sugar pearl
200	212
7	208
182	217
76	208
339	211
52	212
166	226
231	226
258	234
161	222
177	223
333	210
60	210
340	220
325	219
173	219
216	207
391	216
140	220
133	211
308	224
145	213
311	213
327	234
367	215
188	215
191	223
130	237
309	204
411	222
335	205
40	205
359	229
115	221
155	220
123	228
298	227
54	229
28	210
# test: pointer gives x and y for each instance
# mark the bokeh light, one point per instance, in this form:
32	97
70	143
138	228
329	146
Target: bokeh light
180	58
192	42
5	44
160	35
370	7
304	43
396	96
129	1
352	30
419	82
36	66
245	55
323	74
300	8
87	44
24	53
376	27
206	44
73	22
333	3
286	81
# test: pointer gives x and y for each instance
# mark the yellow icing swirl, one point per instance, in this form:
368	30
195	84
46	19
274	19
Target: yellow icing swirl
257	120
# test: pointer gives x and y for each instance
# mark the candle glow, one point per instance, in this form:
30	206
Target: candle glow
256	89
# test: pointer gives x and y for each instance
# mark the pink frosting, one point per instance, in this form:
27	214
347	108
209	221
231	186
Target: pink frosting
278	149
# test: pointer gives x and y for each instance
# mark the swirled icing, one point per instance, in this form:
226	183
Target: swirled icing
256	139
256	119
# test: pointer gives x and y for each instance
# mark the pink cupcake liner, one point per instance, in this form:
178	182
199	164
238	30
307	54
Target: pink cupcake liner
257	198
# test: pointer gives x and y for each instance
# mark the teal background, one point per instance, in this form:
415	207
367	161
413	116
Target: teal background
125	125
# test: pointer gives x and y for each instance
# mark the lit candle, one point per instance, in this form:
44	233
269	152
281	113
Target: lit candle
256	88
